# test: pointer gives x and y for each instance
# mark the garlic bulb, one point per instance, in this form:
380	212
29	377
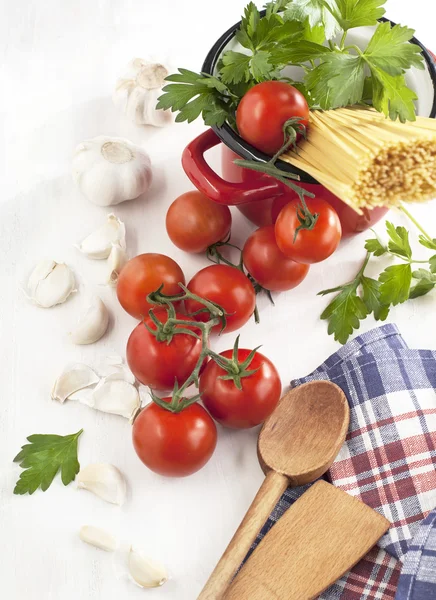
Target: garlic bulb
103	480
98	537
145	572
110	170
116	261
73	379
50	283
92	324
99	243
136	93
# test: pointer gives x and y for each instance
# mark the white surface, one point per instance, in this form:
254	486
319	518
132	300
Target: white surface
59	62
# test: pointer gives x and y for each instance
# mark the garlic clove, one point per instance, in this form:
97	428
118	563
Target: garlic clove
137	91
114	365
116	261
50	283
99	243
105	481
74	378
144	571
111	170
92	324
98	537
116	396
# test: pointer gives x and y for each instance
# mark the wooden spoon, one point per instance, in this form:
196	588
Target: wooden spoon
297	444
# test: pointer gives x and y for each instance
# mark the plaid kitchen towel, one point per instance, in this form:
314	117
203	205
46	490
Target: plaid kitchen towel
389	457
418	577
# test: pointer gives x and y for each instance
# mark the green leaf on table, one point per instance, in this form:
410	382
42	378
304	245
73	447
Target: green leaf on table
345	312
375	246
359	13
395	284
337	81
391	96
398	240
371	298
430	244
426	283
43	458
389	49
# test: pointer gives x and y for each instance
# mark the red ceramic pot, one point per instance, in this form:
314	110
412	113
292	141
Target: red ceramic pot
259	197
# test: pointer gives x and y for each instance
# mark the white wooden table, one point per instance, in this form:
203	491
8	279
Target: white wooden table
58	65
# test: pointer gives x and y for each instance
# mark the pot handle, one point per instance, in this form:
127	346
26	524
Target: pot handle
216	188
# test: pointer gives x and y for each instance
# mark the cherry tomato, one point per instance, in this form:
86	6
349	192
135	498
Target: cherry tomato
159	364
194	222
264	110
228	287
145	274
266	263
174	444
311	245
240	409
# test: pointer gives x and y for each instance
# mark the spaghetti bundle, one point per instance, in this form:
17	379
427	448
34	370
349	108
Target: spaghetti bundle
368	160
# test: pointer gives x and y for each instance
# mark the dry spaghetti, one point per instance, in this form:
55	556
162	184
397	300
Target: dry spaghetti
368	160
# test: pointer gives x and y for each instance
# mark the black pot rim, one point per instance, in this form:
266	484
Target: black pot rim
234	141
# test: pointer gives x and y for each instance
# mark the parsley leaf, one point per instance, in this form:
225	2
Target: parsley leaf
338	81
374	246
430	244
395	284
358	13
345	312
236	67
399	240
299	53
371	298
426	283
392	97
389	49
43	458
315	13
432	262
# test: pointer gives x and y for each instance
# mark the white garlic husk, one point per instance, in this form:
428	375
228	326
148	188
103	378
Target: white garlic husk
116	261
98	537
105	481
99	243
50	283
145	572
72	379
92	324
110	170
137	91
113	395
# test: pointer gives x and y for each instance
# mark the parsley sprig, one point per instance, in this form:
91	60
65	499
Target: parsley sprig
304	33
396	284
43	457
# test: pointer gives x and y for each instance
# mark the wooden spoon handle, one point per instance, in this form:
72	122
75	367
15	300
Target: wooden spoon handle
261	507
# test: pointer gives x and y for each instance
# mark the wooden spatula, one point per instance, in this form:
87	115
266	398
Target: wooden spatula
297	444
318	539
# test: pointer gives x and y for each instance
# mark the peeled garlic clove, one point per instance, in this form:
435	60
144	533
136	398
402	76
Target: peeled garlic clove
98	537
74	378
111	170
99	243
105	481
145	572
137	92
50	283
92	324
116	261
116	396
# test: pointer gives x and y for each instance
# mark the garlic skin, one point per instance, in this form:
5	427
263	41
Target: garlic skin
50	283
110	170
92	324
116	396
72	379
116	261
137	91
105	481
99	243
145	572
98	537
